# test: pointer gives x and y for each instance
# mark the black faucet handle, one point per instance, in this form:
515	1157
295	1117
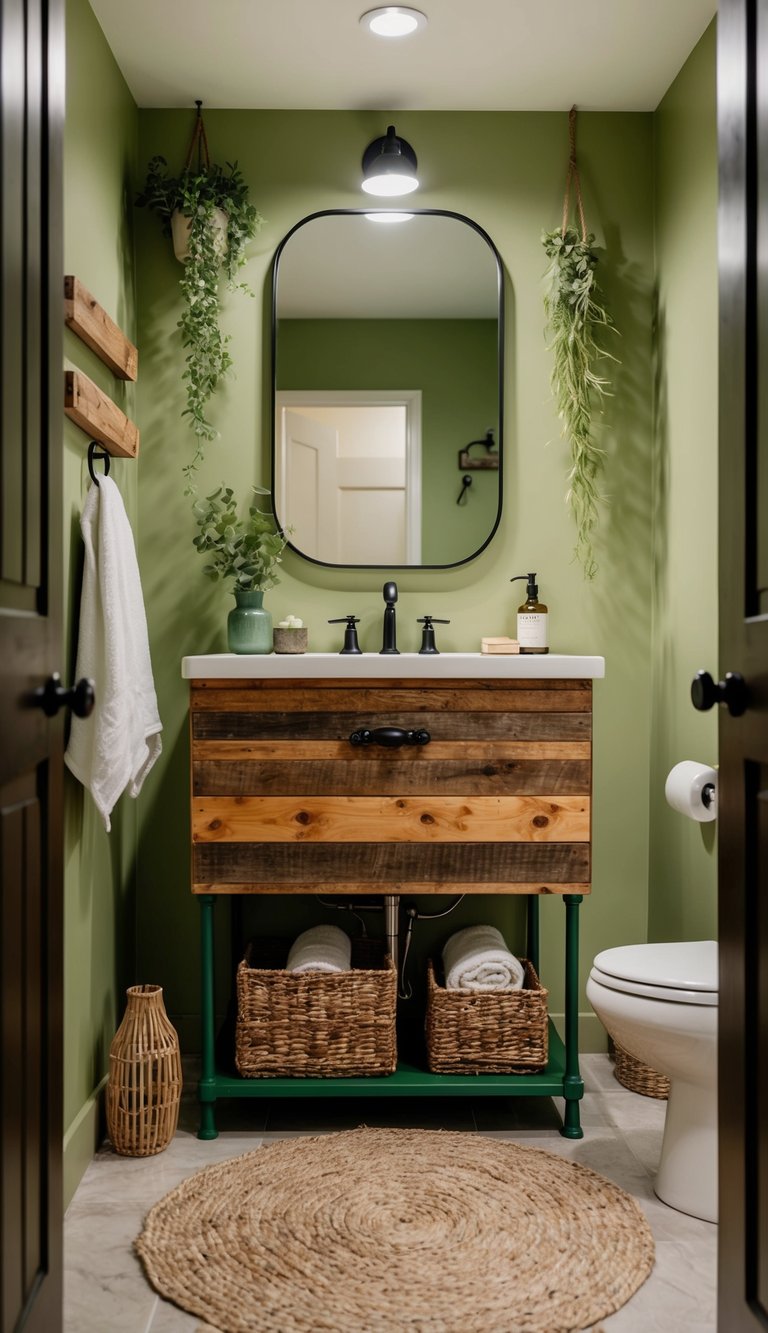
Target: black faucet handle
390	592
351	645
428	645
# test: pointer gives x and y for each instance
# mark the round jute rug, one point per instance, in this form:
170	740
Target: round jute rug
382	1230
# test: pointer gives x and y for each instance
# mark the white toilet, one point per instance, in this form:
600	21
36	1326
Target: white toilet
659	1001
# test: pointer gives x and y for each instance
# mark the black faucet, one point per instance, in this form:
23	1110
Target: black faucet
390	638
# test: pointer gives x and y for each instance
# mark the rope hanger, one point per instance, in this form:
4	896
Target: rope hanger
199	140
573	178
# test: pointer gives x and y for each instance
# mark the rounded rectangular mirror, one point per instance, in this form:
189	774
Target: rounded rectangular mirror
387	346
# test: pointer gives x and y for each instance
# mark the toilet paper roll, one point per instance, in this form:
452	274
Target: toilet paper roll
691	788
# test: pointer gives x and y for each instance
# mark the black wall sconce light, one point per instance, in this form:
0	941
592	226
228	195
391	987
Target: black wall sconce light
389	166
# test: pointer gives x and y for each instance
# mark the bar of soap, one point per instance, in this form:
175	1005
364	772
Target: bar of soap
500	644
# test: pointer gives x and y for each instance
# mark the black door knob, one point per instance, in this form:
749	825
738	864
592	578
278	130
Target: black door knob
705	692
52	696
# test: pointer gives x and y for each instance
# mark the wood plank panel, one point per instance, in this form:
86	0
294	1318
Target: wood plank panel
98	416
352	699
219	725
358	775
13	799
90	321
493	752
34	988
254	684
399	819
390	867
435	888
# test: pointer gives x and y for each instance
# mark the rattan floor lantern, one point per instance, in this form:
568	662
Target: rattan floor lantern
144	1085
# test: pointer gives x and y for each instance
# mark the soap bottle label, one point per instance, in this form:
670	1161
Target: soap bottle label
532	629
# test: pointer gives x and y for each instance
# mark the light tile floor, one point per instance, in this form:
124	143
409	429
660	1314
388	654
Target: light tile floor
105	1291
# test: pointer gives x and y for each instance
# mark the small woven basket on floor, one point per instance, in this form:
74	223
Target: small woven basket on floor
315	1024
503	1032
636	1076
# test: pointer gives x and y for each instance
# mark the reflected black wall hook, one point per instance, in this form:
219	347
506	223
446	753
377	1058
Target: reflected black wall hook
466	482
488	461
93	456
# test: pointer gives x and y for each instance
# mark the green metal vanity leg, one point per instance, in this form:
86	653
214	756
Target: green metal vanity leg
573	1084
206	1088
532	942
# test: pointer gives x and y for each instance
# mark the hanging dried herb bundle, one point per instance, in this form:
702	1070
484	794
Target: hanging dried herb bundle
574	316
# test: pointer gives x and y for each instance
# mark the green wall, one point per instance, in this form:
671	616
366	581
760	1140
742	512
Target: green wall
99	171
453	362
650	194
507	172
683	869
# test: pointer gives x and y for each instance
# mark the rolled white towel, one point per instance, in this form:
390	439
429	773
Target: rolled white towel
477	959
320	949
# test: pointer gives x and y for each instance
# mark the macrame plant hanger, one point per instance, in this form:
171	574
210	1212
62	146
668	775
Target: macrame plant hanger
199	140
572	179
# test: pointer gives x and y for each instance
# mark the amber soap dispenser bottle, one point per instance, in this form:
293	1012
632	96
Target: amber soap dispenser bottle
532	619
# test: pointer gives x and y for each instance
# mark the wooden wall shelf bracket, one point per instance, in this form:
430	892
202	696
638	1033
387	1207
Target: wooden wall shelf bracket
98	416
92	324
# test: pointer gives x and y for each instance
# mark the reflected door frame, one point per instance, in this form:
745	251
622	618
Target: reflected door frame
409	399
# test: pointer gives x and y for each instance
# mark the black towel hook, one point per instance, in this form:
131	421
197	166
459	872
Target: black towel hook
93	456
466	482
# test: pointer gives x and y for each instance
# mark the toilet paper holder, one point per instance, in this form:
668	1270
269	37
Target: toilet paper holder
691	789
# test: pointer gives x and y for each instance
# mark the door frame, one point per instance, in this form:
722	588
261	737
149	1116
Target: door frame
410	399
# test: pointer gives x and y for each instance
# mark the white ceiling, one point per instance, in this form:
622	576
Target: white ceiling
479	55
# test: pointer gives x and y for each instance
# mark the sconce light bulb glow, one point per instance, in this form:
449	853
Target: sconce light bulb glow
389	216
390	184
393	20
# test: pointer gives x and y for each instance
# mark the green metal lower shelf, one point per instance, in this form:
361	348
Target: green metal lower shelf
407	1080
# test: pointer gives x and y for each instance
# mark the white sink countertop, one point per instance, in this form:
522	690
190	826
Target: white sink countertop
374	666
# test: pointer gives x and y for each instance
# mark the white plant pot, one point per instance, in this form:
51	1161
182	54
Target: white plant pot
180	225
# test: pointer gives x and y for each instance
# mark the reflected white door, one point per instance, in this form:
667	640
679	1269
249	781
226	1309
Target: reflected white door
306	485
348	482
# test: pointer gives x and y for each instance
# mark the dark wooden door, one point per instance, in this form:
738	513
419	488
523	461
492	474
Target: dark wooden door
743	807
31	82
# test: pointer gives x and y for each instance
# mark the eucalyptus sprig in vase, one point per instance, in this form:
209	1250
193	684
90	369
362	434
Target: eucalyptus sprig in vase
247	551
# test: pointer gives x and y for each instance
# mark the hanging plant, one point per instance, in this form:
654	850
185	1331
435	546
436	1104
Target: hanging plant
574	316
207	211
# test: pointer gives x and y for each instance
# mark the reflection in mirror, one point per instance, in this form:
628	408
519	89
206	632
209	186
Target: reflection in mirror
387	353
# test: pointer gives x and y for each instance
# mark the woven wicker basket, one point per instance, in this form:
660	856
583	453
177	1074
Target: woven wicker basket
636	1076
487	1033
144	1084
315	1024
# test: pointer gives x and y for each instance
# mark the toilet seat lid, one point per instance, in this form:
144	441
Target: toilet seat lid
685	967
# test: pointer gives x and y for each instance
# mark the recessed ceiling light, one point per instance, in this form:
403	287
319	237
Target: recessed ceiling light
393	20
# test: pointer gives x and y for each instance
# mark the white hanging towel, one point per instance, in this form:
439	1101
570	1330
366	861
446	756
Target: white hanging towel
116	746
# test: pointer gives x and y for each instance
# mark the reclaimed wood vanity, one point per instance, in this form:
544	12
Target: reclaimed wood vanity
480	784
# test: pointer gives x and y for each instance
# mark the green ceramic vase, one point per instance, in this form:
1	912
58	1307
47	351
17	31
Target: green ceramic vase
249	626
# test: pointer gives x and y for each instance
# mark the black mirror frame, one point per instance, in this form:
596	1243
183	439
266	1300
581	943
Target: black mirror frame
426	212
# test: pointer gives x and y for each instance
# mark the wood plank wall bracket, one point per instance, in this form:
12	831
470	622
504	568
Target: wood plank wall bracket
98	416
91	323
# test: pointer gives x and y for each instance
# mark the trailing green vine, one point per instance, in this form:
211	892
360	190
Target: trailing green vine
196	194
574	315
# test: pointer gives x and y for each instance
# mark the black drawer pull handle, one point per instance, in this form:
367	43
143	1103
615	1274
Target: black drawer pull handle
392	737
